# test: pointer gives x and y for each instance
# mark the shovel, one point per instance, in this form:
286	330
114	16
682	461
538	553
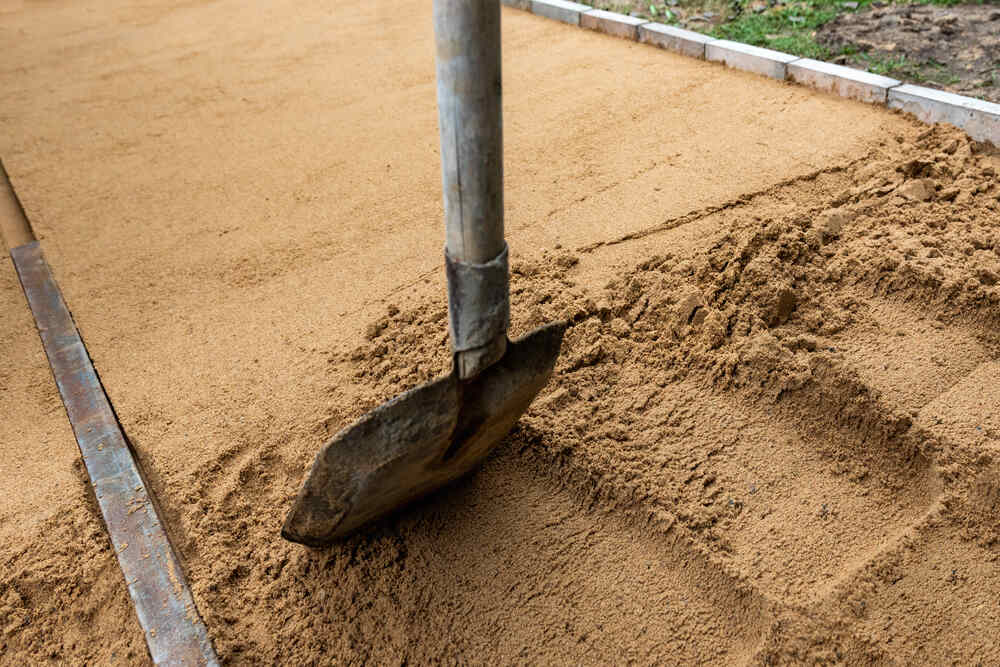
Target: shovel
439	431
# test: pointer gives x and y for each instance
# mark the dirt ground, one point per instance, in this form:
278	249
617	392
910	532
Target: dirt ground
771	436
955	48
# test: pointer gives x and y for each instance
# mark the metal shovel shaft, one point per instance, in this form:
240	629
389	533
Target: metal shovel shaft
467	35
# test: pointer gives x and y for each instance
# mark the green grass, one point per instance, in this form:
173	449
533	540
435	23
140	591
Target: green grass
790	28
662	13
880	65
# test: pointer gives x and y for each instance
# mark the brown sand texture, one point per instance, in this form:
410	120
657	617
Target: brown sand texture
771	438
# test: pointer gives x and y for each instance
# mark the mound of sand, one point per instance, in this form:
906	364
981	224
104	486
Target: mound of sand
801	406
775	443
771	437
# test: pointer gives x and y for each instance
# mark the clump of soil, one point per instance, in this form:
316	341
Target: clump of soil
955	48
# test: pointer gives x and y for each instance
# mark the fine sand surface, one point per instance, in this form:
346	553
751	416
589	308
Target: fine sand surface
771	436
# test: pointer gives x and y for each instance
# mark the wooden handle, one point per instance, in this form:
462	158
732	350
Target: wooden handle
469	110
469	98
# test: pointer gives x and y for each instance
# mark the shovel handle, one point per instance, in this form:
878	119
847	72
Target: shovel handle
468	87
467	36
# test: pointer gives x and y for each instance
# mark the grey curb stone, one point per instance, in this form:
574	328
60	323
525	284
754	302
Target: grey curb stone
559	10
611	23
685	42
843	81
979	119
749	58
518	4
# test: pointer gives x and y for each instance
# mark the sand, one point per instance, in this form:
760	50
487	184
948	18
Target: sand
770	437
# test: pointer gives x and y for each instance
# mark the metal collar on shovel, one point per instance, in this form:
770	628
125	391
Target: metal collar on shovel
439	431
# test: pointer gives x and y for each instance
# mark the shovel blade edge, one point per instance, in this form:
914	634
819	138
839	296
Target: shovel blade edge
418	442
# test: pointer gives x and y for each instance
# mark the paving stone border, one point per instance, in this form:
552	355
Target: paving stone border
843	81
979	119
749	58
559	10
684	42
611	23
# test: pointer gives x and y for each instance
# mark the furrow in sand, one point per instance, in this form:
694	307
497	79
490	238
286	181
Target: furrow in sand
512	560
968	412
937	583
789	494
606	584
910	355
743	199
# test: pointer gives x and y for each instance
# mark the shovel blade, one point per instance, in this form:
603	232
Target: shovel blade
418	442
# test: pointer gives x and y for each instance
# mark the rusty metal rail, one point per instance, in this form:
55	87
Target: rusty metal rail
174	631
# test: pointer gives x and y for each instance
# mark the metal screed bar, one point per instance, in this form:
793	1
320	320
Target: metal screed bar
174	632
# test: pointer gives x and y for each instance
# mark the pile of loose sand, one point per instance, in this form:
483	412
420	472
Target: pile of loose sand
802	407
771	435
777	443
